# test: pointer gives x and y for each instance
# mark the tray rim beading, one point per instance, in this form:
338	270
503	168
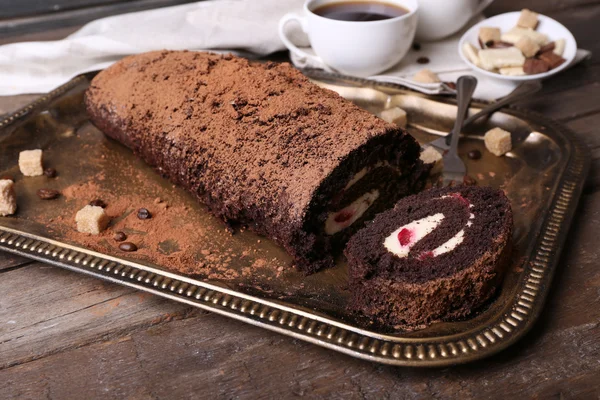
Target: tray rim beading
523	308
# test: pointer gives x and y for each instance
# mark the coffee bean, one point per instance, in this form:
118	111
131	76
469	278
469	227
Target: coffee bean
48	194
127	246
98	203
120	236
143	213
50	172
416	46
423	60
468	181
474	154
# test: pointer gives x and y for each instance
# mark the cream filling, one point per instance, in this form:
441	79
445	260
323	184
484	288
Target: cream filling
359	206
361	174
339	220
419	229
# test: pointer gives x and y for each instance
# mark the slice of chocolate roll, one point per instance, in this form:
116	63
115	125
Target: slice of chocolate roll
259	144
436	255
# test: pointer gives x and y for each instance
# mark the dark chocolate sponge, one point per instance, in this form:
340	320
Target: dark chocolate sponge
408	276
259	144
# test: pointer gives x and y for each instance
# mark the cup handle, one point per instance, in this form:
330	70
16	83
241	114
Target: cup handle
482	6
310	59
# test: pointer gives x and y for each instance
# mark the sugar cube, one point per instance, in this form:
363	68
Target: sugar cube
30	162
528	19
426	76
8	200
394	115
498	141
488	35
527	46
91	219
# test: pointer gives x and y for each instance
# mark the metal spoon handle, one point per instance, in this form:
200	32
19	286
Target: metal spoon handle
465	86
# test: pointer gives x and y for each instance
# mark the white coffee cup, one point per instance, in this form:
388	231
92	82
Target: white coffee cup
357	48
441	18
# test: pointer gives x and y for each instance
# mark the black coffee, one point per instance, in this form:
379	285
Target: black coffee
360	11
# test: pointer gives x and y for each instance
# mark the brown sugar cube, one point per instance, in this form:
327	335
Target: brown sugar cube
91	219
528	47
426	76
498	141
30	162
8	200
489	35
528	19
551	58
429	155
534	66
394	115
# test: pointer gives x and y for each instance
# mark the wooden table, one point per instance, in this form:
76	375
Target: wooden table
64	335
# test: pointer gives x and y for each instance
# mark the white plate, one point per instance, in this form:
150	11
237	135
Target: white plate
505	22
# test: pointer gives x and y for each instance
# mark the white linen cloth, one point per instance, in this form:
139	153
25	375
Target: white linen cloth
247	27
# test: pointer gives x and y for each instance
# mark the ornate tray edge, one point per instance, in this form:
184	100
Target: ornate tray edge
456	349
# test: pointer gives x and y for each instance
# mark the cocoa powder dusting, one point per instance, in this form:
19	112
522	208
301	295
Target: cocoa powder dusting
170	239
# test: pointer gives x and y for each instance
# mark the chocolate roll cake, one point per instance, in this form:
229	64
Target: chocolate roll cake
435	256
259	144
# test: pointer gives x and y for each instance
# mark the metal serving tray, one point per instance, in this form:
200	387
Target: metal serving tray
542	176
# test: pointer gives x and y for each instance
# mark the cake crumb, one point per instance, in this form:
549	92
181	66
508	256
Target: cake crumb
8	199
30	162
91	219
498	141
394	115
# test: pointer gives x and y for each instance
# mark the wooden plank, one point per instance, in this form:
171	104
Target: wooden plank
78	17
11	261
569	103
541	6
20	8
588	131
47	309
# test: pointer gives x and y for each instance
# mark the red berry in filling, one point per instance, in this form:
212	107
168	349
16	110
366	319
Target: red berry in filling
343	216
459	197
425	255
405	236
